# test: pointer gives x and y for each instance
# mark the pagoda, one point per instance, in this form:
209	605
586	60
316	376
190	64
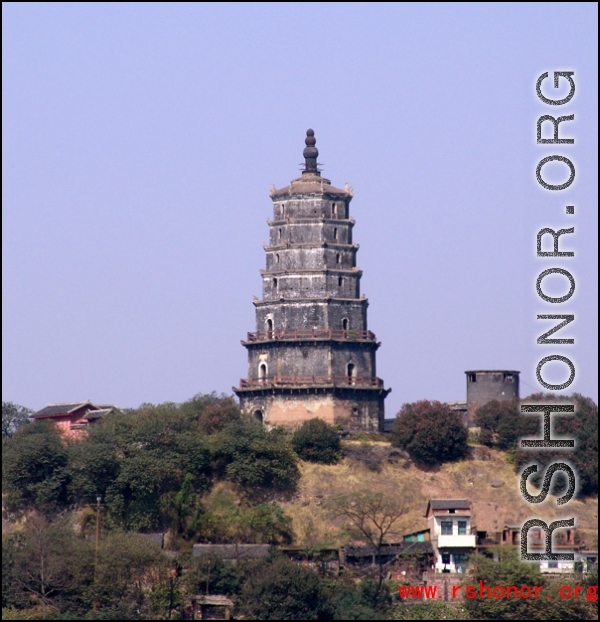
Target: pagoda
312	354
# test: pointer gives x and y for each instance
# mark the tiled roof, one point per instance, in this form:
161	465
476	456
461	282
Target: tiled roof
157	538
387	549
492	371
310	184
233	551
96	414
95	411
213	599
450	504
53	410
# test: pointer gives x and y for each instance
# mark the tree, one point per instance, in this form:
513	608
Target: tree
371	515
127	564
151	466
431	432
209	574
260	462
349	601
510	571
502	424
34	473
212	412
317	441
48	561
278	589
13	417
239	522
429	610
582	426
93	465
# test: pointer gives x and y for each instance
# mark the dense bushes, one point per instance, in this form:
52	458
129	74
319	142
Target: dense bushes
47	567
317	441
509	570
431	432
151	466
281	590
35	469
260	462
582	426
48	572
226	518
501	424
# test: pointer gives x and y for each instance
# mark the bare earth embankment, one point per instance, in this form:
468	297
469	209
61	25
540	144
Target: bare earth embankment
379	468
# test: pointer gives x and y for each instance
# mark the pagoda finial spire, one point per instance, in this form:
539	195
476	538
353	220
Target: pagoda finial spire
310	153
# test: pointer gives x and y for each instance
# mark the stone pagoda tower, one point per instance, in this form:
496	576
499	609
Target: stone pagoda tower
311	354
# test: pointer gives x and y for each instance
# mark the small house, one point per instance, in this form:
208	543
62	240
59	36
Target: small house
451	533
73	419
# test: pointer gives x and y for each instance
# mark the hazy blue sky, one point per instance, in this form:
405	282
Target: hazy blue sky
140	141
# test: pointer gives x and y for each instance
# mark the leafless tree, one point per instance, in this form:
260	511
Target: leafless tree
42	568
372	516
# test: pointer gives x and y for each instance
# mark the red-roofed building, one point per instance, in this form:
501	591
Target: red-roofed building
73	418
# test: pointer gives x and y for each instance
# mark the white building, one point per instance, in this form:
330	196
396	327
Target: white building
450	529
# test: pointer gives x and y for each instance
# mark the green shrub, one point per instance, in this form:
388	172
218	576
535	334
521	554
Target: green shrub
501	424
317	441
34	469
431	432
582	426
259	462
281	590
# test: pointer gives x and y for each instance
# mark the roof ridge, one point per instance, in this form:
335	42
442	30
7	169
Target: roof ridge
67	403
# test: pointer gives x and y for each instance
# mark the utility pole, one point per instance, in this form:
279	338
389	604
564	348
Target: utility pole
97	544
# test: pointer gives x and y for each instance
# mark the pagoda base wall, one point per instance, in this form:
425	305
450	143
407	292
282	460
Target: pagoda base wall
361	411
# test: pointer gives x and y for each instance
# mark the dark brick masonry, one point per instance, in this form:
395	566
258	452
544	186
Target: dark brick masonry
312	354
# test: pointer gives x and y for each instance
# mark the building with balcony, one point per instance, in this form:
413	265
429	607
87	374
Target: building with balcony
312	354
450	533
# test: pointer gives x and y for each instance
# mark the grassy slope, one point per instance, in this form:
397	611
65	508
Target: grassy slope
469	479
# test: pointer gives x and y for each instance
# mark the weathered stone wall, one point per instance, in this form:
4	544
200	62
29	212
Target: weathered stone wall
298	314
310	232
336	284
359	410
325	358
311	281
334	256
316	206
485	386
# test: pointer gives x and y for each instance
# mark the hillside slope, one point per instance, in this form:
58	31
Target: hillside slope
374	467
